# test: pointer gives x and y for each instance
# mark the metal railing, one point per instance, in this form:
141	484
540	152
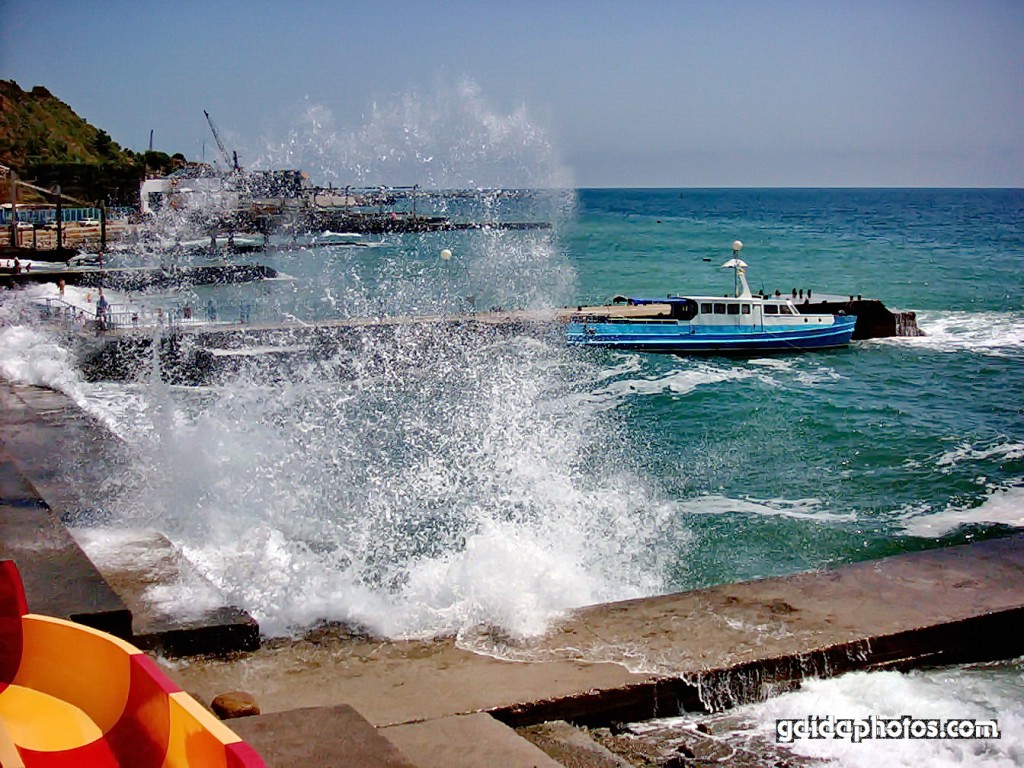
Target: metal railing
176	316
58	309
43	216
138	316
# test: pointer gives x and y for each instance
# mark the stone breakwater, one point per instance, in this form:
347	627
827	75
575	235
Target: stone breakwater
201	353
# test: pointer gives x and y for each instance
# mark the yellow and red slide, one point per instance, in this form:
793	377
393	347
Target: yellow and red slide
71	695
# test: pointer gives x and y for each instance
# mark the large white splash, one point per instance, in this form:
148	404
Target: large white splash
428	481
422	496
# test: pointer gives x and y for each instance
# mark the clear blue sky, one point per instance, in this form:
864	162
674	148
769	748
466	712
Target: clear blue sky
637	93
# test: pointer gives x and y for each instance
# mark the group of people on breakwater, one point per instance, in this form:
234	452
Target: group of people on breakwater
799	295
15	266
796	294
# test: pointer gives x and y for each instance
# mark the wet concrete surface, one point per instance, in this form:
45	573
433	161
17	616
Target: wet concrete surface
60	580
55	467
324	737
466	741
140	565
703	650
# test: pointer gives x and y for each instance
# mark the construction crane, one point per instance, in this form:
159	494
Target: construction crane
232	164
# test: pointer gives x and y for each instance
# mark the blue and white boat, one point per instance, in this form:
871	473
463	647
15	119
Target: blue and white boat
713	325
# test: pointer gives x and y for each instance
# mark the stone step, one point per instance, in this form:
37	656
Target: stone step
143	566
60	580
54	464
326	737
466	741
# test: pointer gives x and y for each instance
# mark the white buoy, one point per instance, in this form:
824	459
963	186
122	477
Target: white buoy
446	255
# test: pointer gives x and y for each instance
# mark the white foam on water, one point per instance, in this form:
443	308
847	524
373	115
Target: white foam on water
983	693
1004	505
677	382
693	374
798	509
995	334
969	452
802	369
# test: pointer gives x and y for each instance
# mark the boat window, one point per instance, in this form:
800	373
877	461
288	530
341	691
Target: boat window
745	309
719	309
785	309
771	309
705	309
734	309
685	310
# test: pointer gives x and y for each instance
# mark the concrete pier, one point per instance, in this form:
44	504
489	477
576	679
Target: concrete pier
696	651
42	433
200	352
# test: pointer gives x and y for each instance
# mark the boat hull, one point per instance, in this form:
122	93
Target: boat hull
667	337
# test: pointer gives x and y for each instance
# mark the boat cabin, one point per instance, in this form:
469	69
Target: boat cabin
707	310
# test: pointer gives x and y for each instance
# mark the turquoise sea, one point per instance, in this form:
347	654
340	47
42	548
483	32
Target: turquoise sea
435	484
797	462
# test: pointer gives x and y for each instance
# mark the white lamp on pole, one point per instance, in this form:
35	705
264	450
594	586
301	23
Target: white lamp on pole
737	246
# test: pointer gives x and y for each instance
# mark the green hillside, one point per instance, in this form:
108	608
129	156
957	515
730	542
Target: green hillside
37	127
47	143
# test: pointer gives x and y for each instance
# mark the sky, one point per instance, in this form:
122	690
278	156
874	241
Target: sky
645	93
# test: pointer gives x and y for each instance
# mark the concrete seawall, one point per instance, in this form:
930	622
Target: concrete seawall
454	702
704	650
43	432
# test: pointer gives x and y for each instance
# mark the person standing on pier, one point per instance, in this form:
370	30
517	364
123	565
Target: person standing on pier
101	312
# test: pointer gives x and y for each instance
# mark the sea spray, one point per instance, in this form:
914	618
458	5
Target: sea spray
432	478
860	719
448	139
414	499
445	137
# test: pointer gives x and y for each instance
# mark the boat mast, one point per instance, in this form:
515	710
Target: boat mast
740	271
737	246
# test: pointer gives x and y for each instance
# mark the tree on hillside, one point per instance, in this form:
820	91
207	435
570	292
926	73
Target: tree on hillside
102	143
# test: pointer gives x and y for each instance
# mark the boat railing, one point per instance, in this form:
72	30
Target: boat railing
645	320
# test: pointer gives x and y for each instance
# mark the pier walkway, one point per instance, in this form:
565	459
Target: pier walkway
704	650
